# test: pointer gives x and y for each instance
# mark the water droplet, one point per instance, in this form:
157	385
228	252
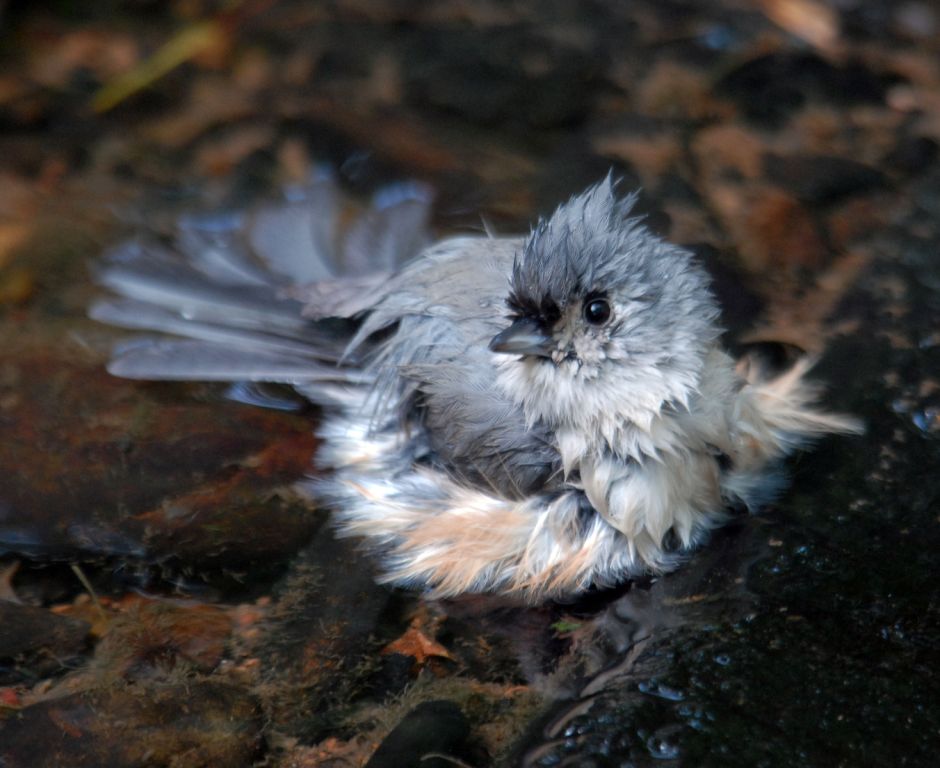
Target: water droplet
926	420
655	688
929	341
717	37
662	749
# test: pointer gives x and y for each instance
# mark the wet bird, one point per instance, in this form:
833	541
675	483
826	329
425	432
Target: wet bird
524	415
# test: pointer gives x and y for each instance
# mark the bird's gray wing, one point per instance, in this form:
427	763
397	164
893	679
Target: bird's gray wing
437	370
478	435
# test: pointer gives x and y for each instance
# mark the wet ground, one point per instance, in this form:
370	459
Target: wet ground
167	598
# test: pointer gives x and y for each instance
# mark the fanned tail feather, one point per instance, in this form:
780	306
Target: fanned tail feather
782	413
773	416
265	295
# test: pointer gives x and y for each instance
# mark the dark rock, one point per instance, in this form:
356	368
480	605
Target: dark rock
434	734
624	704
488	77
37	642
152	639
868	20
822	178
499	643
95	467
191	725
320	645
912	154
395	671
571	168
769	88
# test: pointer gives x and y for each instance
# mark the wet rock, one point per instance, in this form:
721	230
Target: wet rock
143	473
35	643
319	647
433	734
501	643
393	674
196	724
622	701
153	638
822	178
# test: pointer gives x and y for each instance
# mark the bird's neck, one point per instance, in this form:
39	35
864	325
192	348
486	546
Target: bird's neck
614	437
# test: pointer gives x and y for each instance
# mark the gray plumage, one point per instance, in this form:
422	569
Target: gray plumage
526	415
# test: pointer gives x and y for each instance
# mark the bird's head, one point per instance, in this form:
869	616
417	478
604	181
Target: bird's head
607	320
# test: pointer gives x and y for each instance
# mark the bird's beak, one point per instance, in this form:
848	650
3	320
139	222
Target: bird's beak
524	337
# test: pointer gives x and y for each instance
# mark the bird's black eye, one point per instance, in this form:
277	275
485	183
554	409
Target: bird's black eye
597	311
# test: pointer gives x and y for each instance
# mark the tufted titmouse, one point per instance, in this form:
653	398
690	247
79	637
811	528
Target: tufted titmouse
527	415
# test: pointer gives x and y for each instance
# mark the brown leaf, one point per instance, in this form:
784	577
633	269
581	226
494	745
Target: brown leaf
809	20
419	646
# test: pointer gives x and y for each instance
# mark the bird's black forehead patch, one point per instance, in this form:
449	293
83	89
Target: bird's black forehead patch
572	253
549	270
545	309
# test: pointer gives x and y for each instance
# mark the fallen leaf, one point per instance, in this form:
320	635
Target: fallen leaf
196	39
10	698
12	236
7	592
809	20
419	646
16	286
104	52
